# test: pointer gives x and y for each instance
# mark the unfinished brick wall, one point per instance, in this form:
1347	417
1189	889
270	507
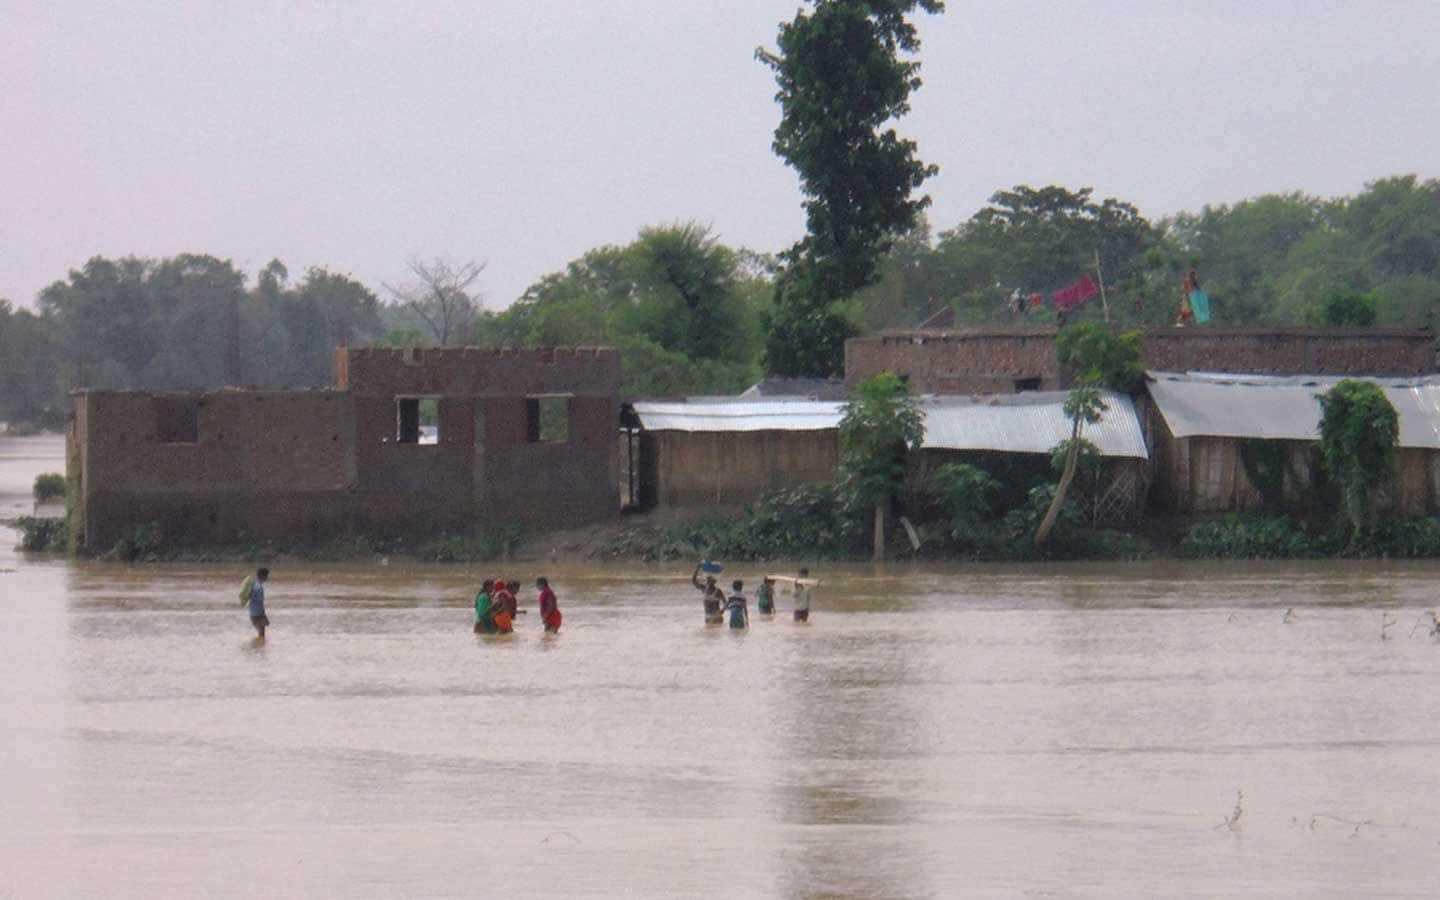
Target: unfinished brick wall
478	371
298	467
1002	361
260	462
955	362
1291	351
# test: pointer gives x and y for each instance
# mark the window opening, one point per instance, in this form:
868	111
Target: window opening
417	420
1026	384
177	420
547	419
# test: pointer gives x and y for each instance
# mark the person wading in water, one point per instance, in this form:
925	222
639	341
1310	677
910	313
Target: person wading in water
549	606
804	590
713	597
765	597
252	596
738	606
483	602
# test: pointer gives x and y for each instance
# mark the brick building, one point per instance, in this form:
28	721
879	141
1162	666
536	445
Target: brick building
1006	360
520	436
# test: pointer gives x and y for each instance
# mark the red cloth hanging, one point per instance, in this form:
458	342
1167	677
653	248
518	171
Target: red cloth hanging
1075	293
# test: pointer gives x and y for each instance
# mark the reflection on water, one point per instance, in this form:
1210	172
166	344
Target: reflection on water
935	731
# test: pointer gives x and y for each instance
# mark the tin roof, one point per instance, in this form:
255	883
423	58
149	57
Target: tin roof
1032	422
1283	407
774	387
1029	422
740	415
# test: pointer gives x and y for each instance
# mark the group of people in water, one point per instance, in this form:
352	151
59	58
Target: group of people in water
497	603
736	607
496	606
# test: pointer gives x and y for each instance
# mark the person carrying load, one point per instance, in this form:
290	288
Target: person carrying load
711	595
252	596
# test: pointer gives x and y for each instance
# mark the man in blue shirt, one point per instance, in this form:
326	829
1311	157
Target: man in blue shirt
252	596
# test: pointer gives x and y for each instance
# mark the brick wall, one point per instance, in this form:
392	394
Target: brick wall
998	360
478	371
299	467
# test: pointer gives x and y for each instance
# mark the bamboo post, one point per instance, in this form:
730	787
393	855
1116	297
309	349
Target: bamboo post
1101	278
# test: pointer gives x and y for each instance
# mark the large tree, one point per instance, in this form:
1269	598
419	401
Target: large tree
841	79
679	305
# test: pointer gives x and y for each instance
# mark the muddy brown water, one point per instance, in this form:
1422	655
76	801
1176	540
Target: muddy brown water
936	731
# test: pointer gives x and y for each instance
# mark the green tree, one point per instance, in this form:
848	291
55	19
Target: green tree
1036	240
1358	431
30	388
841	78
680	306
1093	354
1348	308
881	422
1096	358
1084	407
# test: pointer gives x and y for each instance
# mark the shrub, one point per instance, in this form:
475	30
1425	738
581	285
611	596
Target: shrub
1255	536
42	535
1416	537
49	486
1358	431
963	494
1348	308
144	543
1017	539
806	522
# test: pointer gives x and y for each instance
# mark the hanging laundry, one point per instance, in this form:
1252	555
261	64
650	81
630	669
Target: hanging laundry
1076	293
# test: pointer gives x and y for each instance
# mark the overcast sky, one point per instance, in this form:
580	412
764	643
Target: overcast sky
522	133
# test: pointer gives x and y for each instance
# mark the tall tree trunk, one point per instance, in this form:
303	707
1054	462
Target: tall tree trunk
1072	458
880	532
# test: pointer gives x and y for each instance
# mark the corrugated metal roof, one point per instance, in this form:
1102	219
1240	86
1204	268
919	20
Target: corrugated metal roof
776	388
740	415
1283	407
1030	422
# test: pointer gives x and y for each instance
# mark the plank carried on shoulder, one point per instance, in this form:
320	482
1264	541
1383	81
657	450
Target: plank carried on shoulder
791	579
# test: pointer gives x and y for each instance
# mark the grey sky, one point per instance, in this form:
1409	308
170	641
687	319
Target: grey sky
353	135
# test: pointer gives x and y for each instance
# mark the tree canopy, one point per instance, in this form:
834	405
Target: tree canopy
683	309
841	78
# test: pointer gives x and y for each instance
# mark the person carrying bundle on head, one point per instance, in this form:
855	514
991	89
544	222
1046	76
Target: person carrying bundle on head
711	595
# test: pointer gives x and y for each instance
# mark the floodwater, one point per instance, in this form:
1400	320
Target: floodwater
937	731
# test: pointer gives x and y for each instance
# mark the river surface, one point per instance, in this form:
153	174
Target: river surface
936	731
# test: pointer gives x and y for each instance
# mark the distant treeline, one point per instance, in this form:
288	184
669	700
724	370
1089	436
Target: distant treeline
691	315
